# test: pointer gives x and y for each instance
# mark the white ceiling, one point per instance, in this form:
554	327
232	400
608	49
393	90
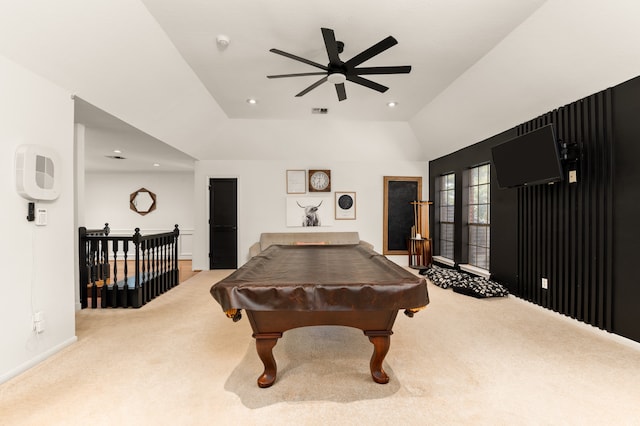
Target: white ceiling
440	39
139	151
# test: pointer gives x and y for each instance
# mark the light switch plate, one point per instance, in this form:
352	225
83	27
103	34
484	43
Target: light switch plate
41	217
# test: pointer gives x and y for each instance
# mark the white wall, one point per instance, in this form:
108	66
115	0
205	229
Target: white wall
114	55
262	197
37	262
566	50
78	204
106	199
320	137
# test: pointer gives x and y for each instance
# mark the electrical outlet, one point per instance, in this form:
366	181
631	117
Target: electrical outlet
545	283
573	176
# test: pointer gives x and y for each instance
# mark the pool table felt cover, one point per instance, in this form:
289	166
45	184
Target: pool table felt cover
320	278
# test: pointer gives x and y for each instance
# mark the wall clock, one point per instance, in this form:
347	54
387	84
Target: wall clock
319	180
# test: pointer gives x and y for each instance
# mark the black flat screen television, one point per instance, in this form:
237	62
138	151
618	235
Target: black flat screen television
529	159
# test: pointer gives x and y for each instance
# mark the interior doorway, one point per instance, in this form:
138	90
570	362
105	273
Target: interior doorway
223	223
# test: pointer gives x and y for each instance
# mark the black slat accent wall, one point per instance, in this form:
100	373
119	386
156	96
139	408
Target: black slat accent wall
565	231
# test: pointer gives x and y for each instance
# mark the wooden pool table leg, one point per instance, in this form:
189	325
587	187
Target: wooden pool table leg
381	341
264	345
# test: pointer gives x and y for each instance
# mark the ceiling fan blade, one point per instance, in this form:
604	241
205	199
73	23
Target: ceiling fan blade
296	75
405	69
313	86
331	45
342	93
298	58
371	52
367	83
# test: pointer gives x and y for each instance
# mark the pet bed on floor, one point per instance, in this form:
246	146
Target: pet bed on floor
464	283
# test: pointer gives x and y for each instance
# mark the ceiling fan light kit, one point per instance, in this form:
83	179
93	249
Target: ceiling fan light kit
337	78
338	72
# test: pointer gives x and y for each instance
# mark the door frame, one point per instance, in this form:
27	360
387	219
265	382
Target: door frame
241	261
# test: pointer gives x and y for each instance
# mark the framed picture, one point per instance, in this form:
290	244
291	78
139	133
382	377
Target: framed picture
296	181
309	211
345	205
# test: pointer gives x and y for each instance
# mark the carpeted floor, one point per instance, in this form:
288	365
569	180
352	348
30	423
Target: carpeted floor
179	360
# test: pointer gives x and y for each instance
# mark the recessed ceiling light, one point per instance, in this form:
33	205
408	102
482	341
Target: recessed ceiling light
252	101
392	104
156	164
117	151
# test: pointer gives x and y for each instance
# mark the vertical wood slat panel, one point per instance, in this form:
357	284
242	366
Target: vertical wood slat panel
599	233
571	135
584	294
607	302
565	230
593	209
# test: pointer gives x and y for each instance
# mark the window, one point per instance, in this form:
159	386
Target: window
446	188
478	221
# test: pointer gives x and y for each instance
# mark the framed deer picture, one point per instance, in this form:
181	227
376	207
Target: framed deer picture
309	211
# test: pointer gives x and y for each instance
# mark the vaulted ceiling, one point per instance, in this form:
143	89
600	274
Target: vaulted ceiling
155	64
440	39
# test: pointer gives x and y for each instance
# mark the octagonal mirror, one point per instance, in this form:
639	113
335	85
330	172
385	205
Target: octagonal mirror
142	201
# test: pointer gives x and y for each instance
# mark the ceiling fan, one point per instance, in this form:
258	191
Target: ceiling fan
338	71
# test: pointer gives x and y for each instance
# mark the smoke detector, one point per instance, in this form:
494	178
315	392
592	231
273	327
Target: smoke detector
223	41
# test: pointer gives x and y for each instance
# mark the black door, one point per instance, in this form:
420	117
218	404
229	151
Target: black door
223	224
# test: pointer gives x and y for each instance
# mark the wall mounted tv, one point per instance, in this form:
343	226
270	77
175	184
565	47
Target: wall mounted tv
529	159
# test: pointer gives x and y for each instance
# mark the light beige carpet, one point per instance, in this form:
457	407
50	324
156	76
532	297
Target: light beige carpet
179	360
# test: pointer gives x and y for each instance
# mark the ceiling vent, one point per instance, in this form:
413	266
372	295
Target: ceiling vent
319	110
115	157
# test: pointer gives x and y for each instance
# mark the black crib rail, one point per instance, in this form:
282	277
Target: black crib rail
155	260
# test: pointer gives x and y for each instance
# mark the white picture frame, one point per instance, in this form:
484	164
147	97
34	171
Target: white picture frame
345	205
296	181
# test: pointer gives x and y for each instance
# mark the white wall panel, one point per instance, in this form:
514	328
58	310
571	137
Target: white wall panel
262	198
37	261
566	50
107	201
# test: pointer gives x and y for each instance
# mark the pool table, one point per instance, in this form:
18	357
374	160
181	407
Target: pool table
288	286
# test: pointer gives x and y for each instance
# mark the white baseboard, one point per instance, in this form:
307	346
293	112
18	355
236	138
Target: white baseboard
37	360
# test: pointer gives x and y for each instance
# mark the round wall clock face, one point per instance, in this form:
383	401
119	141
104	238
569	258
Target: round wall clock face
345	202
319	180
